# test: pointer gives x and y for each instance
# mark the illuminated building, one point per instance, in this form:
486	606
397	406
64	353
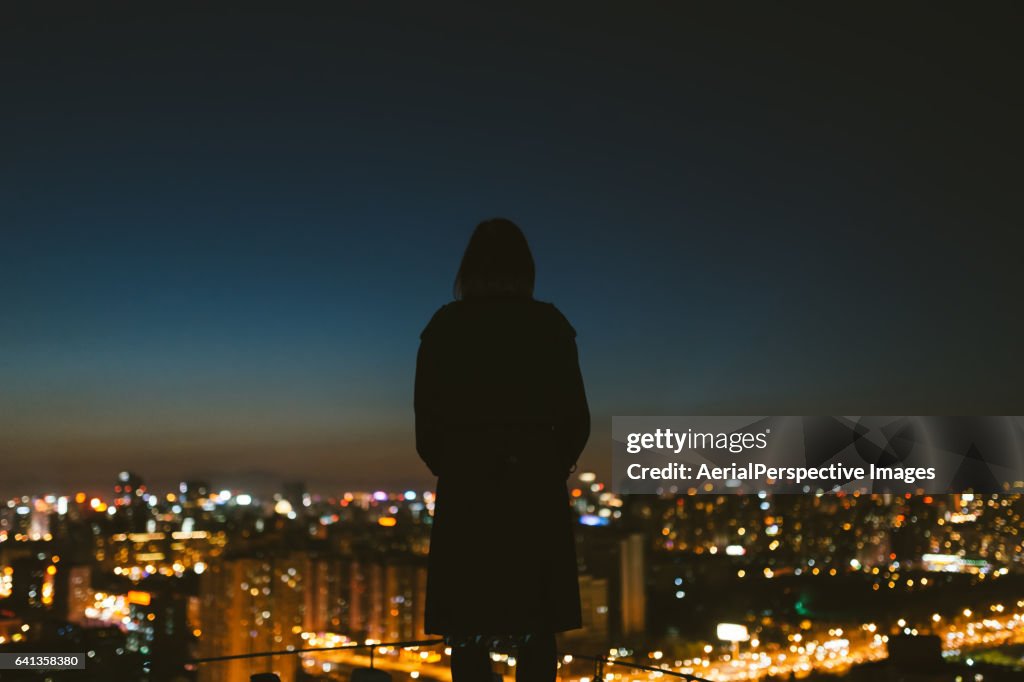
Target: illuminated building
405	589
130	500
39	523
30	579
594	607
633	588
81	596
252	604
328	594
167	553
377	598
193	491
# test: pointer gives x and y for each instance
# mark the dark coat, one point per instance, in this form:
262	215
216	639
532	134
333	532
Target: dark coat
501	417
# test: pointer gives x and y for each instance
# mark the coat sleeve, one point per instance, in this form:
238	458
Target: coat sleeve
427	403
572	422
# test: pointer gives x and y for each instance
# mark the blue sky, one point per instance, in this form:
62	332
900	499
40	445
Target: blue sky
222	234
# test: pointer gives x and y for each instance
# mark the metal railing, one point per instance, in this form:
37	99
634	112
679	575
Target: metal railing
599	661
299	652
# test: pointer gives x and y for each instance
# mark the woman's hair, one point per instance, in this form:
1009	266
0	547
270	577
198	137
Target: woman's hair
497	262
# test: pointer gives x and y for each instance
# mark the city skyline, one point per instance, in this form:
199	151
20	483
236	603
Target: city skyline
722	586
223	230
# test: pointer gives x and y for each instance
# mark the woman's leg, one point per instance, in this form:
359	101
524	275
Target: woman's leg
471	662
537	659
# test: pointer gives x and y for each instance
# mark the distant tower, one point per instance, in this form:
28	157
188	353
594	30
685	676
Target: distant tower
128	486
130	498
295	493
193	491
39	525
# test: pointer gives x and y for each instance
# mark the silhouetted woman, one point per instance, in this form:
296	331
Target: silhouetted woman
501	417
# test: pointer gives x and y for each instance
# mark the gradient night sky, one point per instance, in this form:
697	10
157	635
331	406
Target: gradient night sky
222	233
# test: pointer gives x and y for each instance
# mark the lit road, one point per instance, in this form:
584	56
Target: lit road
833	651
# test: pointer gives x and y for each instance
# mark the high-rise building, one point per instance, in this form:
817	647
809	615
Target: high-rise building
378	597
249	605
405	588
39	525
633	591
130	500
81	595
29	579
329	595
594	607
128	486
296	494
193	491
